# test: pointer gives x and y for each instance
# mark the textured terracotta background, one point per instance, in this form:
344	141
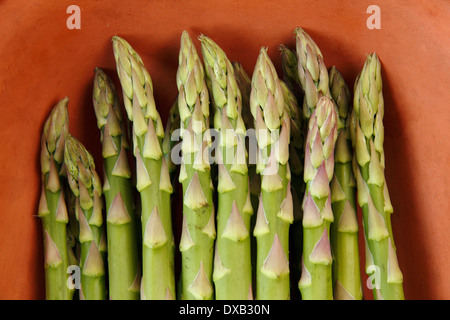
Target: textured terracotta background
42	61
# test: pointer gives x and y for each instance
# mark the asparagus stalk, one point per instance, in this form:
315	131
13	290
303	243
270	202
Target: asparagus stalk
232	273
289	65
171	137
367	133
245	86
312	72
296	158
73	227
315	282
86	186
153	179
291	86
198	230
344	230
52	205
123	259
275	213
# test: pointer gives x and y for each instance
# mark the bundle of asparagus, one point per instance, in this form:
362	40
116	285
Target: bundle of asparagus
312	159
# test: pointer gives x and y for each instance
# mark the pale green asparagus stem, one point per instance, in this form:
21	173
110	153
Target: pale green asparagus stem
86	186
52	205
344	230
275	212
122	237
198	231
232	262
367	133
315	282
152	174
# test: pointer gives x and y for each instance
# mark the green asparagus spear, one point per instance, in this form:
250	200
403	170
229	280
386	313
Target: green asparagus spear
367	133
315	282
289	64
52	206
296	158
122	238
312	72
73	228
86	186
245	86
275	212
171	138
198	230
153	179
344	230
232	273
291	86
